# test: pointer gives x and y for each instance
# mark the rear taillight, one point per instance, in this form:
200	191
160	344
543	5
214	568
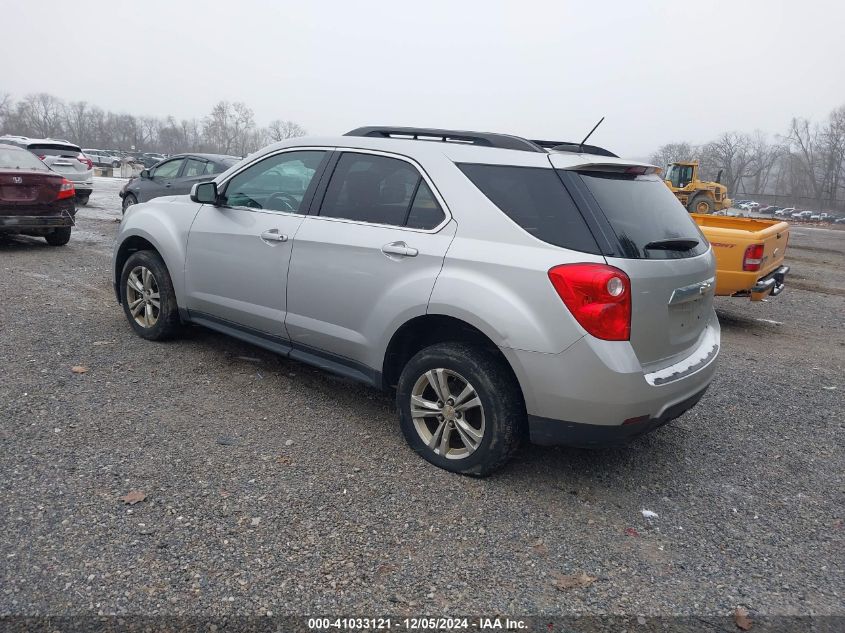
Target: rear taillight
753	258
42	156
66	190
598	296
82	158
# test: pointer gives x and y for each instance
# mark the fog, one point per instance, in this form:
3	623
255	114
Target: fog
658	71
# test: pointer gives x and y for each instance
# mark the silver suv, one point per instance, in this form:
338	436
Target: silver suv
504	288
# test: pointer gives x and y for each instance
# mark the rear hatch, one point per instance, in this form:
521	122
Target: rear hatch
64	158
650	236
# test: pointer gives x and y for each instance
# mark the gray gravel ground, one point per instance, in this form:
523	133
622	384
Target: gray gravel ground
272	486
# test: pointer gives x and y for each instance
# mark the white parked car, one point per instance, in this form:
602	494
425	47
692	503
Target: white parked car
103	158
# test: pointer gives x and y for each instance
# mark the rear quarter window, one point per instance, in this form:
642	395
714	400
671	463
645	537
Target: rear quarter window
534	198
642	211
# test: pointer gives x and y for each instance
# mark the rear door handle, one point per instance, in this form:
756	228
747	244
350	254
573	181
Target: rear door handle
273	235
399	248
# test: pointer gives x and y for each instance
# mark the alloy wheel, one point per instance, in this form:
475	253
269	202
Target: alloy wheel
142	296
447	413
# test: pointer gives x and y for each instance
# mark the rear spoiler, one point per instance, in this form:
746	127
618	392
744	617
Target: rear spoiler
618	166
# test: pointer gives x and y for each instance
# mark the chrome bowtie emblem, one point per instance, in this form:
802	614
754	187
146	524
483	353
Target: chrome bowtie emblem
17	180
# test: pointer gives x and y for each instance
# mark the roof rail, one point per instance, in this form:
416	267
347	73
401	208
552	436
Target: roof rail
578	148
484	139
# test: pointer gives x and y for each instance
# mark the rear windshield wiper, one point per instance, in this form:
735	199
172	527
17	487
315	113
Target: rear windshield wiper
673	244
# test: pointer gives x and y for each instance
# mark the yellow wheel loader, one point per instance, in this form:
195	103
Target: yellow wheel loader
698	196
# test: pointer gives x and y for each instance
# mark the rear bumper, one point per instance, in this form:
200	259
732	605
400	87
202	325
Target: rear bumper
27	222
549	432
771	285
596	392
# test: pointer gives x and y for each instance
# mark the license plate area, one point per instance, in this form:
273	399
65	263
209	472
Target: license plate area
17	194
687	319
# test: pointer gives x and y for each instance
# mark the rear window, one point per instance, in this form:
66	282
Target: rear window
645	215
49	149
11	158
536	200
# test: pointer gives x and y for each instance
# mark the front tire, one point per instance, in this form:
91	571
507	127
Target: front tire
83	200
59	236
128	200
148	298
702	204
460	408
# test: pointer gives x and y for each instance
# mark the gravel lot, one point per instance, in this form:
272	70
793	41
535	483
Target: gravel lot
271	486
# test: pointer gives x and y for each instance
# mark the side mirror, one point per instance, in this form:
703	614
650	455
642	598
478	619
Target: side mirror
204	192
145	174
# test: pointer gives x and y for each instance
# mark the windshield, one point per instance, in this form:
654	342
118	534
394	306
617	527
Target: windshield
680	175
13	158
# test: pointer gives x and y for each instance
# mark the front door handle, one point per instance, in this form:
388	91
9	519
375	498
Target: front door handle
273	235
399	248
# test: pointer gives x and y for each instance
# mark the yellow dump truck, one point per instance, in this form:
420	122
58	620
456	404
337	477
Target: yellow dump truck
698	196
749	254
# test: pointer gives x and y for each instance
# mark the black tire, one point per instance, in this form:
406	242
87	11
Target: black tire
115	164
167	323
501	401
128	200
83	200
701	204
58	237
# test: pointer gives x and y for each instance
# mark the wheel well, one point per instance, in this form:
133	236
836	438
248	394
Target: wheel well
430	329
130	245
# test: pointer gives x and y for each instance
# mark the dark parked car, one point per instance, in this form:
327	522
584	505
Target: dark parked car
174	176
34	199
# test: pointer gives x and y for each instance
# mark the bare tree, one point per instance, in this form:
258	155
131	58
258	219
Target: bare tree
41	114
228	128
804	141
280	130
77	122
731	153
672	152
5	110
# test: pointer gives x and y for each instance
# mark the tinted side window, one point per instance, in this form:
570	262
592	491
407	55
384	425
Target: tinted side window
642	211
195	167
168	170
425	211
536	200
370	188
278	183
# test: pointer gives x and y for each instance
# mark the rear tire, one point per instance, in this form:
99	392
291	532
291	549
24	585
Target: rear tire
83	200
148	298
115	164
482	430
59	236
702	204
128	200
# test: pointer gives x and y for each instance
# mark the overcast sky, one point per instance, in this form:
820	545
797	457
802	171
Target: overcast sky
659	71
